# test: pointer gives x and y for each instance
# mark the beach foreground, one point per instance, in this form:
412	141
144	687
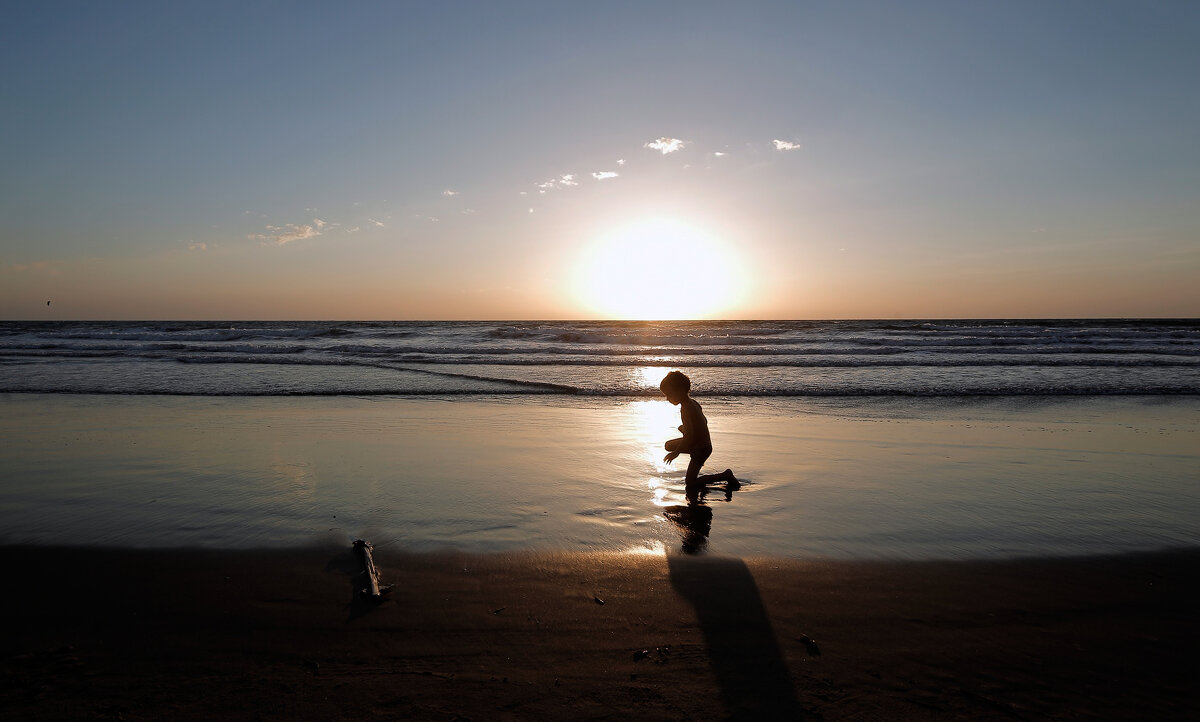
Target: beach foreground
140	634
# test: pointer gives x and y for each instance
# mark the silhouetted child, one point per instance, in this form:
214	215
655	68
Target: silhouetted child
695	442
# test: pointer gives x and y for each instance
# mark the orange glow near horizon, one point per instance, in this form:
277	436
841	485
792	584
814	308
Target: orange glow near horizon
658	269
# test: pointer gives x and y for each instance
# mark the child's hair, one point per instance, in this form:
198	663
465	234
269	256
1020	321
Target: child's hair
675	380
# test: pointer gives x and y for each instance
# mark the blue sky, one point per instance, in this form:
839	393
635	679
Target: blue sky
473	160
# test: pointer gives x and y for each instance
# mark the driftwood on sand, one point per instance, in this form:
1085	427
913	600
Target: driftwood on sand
371	588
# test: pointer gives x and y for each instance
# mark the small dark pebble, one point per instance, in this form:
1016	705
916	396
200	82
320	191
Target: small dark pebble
810	646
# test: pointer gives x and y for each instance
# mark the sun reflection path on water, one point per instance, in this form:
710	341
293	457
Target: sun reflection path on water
649	548
649	377
652	423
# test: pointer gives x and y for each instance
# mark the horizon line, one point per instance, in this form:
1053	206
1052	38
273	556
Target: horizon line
603	320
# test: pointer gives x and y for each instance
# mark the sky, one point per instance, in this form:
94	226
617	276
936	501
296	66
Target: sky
551	160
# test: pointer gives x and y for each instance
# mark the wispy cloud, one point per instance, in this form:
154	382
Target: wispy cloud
785	145
604	175
621	161
563	181
41	267
283	235
449	192
197	246
665	145
377	224
719	154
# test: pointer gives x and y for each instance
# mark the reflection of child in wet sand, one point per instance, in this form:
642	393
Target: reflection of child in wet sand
695	442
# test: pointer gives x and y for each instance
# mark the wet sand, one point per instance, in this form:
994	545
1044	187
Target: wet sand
140	634
870	478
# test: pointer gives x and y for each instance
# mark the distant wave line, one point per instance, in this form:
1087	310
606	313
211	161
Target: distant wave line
1041	392
1047	360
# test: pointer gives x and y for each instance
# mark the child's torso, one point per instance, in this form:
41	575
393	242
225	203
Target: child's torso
695	425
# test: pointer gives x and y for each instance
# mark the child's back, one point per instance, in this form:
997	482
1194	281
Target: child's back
695	424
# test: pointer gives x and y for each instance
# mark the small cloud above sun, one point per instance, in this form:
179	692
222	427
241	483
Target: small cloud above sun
785	145
666	145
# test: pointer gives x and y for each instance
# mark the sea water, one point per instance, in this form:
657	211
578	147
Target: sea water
727	358
772	359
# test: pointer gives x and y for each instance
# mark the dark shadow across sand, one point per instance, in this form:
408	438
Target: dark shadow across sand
746	659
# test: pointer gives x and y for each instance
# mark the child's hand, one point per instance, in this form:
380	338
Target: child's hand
670	457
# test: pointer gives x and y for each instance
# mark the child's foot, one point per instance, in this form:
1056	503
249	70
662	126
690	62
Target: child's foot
731	480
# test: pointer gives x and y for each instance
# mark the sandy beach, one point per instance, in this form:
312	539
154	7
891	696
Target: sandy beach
190	559
119	634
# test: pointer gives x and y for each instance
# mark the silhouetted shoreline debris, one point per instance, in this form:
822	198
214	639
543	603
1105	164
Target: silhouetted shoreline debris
372	589
663	654
810	646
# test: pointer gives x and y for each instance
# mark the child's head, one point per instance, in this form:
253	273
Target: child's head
675	385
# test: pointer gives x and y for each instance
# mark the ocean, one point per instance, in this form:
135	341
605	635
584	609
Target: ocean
853	439
617	359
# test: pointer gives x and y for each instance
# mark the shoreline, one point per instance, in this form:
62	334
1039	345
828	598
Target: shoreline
191	634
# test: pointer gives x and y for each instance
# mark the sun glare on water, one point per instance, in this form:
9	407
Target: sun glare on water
658	269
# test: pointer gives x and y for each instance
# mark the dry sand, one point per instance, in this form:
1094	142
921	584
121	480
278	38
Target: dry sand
118	634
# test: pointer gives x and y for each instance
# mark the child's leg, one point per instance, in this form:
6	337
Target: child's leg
726	475
699	456
693	482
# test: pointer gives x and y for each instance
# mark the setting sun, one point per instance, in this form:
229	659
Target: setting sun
658	269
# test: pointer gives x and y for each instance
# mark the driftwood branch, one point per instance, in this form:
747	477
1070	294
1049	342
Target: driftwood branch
371	588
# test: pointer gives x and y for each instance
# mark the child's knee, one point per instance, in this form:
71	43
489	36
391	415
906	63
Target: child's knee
674	445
